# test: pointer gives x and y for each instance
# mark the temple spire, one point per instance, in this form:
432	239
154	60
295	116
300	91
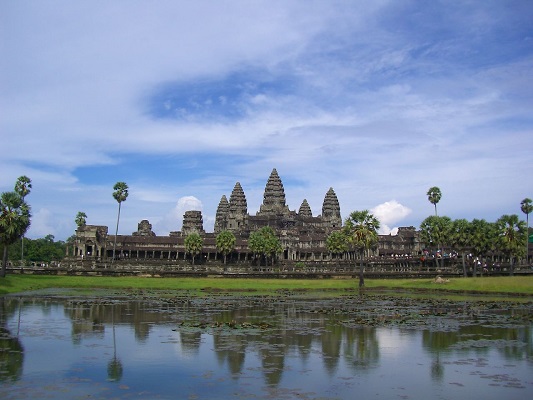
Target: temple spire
274	196
331	211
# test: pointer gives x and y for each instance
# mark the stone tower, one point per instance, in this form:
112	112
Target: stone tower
192	222
221	219
274	197
305	209
331	211
238	210
144	228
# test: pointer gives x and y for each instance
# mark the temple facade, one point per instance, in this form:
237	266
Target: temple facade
302	235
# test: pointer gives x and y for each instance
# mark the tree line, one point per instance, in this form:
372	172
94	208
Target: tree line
45	250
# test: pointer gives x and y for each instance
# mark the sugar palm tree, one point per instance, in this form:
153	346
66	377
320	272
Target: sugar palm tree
23	188
527	207
483	235
434	195
14	222
511	231
460	238
434	231
361	228
81	219
194	244
120	194
225	242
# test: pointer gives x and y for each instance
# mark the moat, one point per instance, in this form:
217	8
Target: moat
172	345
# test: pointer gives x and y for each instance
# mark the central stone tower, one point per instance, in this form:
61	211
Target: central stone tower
274	197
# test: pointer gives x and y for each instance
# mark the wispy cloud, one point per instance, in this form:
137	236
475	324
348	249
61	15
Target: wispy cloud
379	100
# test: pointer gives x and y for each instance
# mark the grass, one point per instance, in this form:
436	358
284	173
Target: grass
522	285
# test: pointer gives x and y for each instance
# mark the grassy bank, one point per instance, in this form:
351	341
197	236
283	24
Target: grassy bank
522	285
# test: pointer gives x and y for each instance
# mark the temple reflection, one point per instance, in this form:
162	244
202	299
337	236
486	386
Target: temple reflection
258	334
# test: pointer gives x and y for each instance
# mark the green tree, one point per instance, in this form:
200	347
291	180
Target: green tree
337	243
460	239
361	229
15	218
434	195
194	244
81	219
225	242
264	242
526	206
482	241
511	237
434	232
23	188
120	194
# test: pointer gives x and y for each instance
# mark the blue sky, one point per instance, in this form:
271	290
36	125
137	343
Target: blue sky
179	99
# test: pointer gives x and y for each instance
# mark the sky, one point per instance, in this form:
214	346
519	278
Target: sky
379	100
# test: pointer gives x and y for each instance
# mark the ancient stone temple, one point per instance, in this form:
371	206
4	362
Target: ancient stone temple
144	228
302	235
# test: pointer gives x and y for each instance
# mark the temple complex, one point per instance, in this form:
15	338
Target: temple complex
302	235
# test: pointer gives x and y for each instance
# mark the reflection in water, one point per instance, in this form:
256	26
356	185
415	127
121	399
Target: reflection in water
11	350
114	368
262	343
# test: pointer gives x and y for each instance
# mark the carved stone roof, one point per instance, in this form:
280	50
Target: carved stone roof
331	210
237	200
274	197
305	209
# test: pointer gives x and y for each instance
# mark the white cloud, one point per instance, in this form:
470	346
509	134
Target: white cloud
173	220
42	223
389	213
374	100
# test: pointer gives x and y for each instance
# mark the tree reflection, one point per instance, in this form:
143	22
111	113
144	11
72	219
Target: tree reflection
11	350
362	348
331	344
114	367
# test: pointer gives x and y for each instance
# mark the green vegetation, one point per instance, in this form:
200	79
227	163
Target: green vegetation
264	243
15	218
225	242
517	285
37	250
361	229
194	244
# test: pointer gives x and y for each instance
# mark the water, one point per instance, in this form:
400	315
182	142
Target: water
288	347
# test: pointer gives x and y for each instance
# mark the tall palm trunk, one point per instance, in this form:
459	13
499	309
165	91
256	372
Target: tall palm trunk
116	233
361	271
527	238
4	262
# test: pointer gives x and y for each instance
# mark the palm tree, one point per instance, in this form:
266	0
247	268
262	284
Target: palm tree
527	207
23	188
482	235
81	219
511	231
361	228
120	194
194	244
460	238
434	194
225	242
14	222
434	231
